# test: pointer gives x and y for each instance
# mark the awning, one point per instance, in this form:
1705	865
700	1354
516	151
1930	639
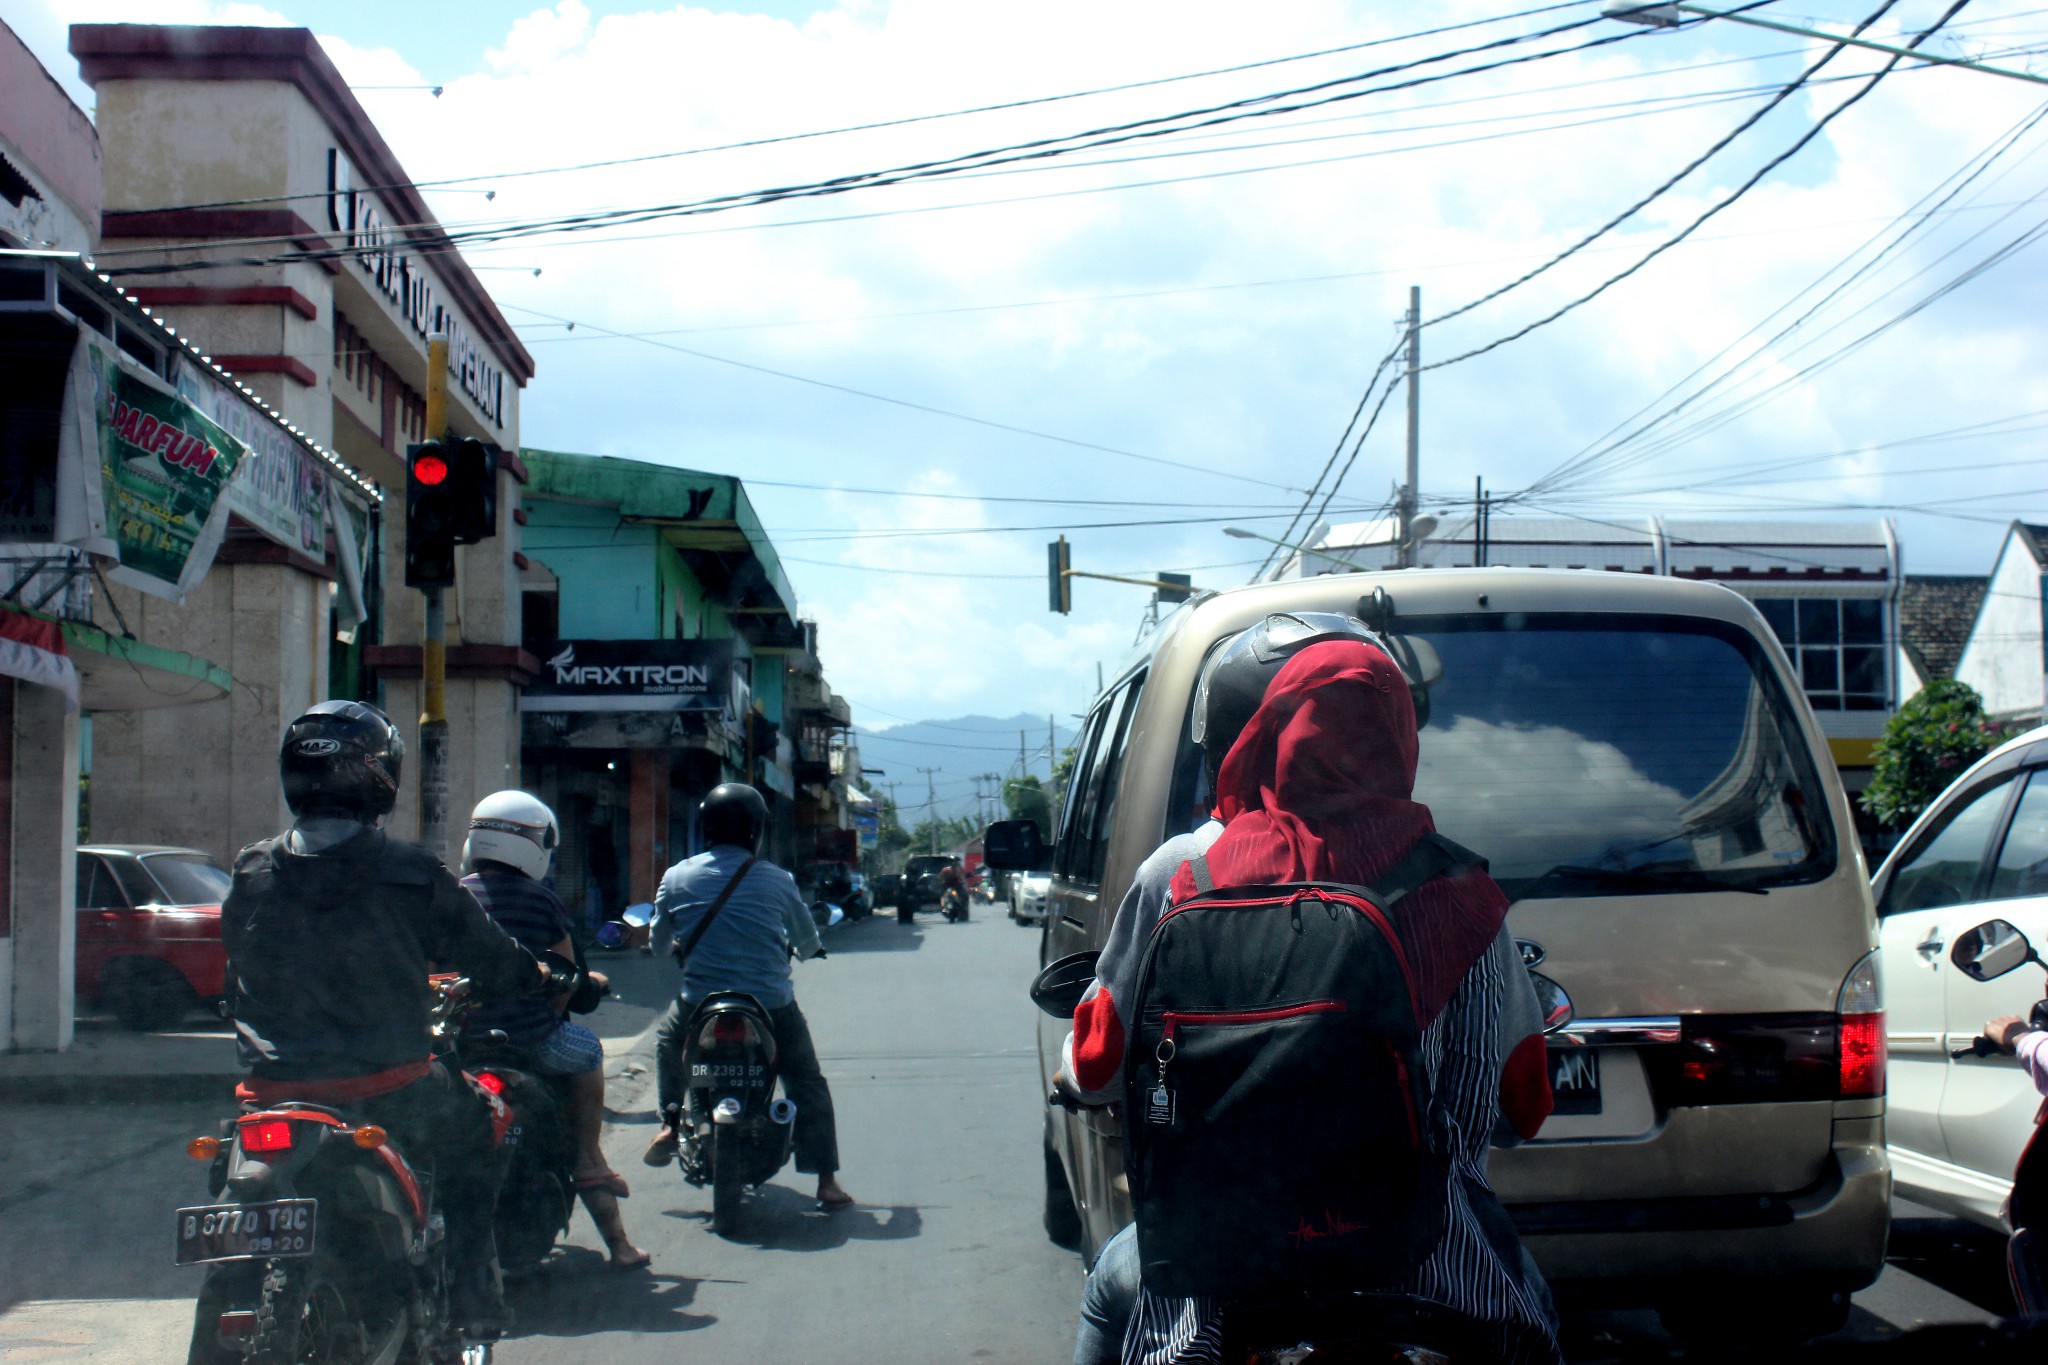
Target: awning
32	649
119	674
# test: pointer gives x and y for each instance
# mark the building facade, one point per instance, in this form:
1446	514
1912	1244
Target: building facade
2006	653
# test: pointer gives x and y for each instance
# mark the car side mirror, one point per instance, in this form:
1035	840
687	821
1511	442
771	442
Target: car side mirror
1059	988
1015	846
1992	949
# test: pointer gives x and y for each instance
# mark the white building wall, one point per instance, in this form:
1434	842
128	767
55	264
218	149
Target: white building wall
2003	658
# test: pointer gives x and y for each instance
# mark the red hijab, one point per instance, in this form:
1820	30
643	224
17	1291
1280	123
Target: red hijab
1320	787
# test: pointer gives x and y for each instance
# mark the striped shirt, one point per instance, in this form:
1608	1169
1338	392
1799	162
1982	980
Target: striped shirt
531	913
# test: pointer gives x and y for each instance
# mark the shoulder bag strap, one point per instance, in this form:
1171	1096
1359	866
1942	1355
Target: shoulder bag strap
1198	868
1433	856
697	934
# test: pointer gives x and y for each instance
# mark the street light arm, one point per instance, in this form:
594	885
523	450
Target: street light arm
1666	16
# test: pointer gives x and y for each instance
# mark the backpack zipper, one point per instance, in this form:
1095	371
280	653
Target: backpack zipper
1173	1018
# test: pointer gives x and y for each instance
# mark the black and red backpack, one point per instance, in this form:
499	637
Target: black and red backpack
1276	1106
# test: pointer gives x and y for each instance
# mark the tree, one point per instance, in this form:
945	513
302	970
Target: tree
891	839
1062	774
1026	799
1940	731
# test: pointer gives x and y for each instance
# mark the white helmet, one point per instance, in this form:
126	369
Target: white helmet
513	828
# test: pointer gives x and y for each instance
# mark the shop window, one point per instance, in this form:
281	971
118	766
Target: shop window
1838	647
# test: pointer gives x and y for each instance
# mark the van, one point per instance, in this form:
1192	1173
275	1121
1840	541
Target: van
1634	758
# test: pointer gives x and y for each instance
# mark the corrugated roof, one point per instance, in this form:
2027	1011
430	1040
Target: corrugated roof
1936	612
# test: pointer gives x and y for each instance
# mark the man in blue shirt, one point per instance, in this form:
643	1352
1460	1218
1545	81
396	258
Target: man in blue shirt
762	925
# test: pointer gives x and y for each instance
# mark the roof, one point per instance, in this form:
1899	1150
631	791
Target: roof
708	518
2035	538
1936	612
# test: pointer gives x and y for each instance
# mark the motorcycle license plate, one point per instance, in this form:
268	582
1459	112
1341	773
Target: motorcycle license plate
1574	1080
238	1232
729	1073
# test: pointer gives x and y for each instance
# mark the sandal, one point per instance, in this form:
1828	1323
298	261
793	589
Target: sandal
627	1263
843	1201
662	1150
603	1180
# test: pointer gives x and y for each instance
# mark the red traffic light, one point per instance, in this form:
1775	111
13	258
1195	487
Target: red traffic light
430	470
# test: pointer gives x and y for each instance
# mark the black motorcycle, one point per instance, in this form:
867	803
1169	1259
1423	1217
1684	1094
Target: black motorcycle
1985	953
325	1243
736	1132
953	904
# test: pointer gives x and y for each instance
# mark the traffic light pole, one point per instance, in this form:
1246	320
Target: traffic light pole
434	647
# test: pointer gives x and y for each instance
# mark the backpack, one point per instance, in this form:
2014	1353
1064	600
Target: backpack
1276	1107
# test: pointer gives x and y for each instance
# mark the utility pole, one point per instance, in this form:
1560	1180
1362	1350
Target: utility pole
1479	521
931	810
434	645
1408	494
1023	763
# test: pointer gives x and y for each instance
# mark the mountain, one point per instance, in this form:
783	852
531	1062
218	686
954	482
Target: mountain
958	749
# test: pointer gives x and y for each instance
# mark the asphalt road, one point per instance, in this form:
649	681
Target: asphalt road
926	1037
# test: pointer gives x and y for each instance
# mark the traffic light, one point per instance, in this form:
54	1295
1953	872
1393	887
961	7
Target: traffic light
473	489
1175	587
1059	580
429	516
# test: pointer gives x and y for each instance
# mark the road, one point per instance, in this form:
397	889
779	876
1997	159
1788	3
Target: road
927	1039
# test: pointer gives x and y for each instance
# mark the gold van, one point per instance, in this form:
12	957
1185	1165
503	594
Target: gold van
1634	758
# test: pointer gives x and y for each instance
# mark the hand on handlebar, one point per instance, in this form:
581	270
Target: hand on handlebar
1980	1046
1066	1097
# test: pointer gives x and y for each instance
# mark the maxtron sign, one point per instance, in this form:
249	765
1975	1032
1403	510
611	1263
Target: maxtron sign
632	675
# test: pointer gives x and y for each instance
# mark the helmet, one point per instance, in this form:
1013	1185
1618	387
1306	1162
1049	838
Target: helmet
1234	679
342	756
513	828
733	813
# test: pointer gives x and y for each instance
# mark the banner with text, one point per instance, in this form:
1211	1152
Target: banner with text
633	675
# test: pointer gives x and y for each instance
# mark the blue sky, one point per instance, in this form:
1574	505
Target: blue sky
1175	334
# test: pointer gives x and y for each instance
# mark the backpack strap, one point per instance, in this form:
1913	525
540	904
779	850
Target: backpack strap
1433	856
724	895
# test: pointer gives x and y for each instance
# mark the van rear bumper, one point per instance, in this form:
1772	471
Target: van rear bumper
1833	1231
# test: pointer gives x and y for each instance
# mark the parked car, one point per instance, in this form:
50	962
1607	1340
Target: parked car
1028	891
1979	852
149	931
1635	758
921	882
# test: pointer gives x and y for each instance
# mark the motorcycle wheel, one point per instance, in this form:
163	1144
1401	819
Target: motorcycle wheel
727	1180
531	1214
905	914
303	1315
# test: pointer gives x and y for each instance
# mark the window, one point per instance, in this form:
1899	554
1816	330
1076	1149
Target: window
1943	872
1070	837
2022	867
1083	861
1837	645
188	879
96	886
1112	768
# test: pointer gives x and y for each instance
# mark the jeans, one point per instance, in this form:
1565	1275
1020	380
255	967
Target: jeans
1107	1300
796	1063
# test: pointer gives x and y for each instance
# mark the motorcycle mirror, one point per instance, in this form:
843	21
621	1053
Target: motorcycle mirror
640	915
611	934
1552	1002
1992	949
1059	988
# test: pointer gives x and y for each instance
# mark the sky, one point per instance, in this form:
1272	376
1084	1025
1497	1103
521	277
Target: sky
1139	344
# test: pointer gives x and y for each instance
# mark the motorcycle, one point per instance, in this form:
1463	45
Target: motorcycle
1985	953
328	1244
736	1132
953	904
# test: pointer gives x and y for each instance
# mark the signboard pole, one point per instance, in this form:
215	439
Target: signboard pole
434	648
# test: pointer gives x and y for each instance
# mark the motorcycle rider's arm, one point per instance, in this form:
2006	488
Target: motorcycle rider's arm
2029	1044
797	924
471	942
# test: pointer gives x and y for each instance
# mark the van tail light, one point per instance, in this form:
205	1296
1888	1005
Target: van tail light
730	1029
266	1135
1859	1012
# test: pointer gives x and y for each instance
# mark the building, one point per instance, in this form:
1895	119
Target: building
1830	590
2006	652
672	658
250	201
1936	612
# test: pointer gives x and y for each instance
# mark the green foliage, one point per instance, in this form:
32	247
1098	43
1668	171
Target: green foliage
928	836
1939	732
1062	773
891	839
1026	799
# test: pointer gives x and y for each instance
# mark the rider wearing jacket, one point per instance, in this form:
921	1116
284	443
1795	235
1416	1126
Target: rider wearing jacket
331	930
1309	736
762	925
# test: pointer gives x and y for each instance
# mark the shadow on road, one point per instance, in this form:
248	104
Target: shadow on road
877	934
1957	1255
576	1292
777	1218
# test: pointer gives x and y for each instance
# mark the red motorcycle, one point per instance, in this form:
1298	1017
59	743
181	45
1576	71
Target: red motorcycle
325	1244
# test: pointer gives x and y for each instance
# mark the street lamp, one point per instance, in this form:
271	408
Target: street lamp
1670	16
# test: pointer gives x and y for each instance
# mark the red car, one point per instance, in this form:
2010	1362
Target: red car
149	931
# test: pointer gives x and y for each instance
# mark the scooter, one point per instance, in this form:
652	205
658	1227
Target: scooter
1985	953
953	904
736	1132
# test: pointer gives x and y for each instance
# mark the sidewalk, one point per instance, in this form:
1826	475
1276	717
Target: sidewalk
106	1062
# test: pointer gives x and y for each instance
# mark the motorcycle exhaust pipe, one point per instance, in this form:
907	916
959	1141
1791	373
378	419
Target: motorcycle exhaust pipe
783	1110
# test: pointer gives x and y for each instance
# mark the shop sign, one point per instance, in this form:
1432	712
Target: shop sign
164	468
869	826
633	675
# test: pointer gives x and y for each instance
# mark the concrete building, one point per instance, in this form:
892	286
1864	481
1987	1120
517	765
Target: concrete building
672	658
249	200
2006	652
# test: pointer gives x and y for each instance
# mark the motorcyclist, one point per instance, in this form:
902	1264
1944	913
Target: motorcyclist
1334	728
763	924
331	929
952	879
512	839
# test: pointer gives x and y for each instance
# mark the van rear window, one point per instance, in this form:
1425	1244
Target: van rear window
1598	755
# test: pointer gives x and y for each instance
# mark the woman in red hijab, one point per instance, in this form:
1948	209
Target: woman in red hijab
1318	786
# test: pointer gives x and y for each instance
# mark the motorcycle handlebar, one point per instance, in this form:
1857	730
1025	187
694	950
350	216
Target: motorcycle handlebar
1980	1046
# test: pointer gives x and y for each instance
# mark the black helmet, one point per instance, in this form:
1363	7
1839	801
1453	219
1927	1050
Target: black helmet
733	813
344	757
1235	678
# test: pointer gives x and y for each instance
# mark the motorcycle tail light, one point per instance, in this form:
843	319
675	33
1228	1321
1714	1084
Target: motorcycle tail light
1859	1008
237	1324
727	1030
266	1135
491	1081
